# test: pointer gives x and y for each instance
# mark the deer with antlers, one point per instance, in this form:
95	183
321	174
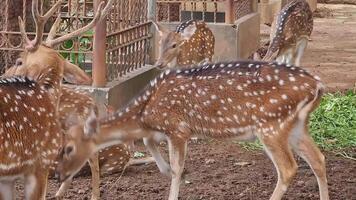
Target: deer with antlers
290	32
242	100
30	142
191	43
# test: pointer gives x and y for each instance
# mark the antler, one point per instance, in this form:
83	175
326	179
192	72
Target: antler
40	22
99	15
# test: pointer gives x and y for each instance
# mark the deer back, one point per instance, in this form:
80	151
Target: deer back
293	21
30	132
227	99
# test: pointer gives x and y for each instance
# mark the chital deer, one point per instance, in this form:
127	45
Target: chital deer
32	139
290	32
243	100
191	43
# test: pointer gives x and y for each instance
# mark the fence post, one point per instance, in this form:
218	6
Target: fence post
229	13
151	15
99	52
151	10
254	6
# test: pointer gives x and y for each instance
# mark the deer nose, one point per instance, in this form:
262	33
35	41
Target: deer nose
57	177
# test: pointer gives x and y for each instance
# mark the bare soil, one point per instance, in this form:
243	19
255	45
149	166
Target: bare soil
220	170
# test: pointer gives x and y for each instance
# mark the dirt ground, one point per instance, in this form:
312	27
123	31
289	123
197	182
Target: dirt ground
221	171
218	170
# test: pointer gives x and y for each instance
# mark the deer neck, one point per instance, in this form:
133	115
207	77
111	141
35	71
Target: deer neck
124	125
119	133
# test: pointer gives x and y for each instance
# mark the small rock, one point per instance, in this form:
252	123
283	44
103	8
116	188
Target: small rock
300	183
81	191
242	163
187	182
209	161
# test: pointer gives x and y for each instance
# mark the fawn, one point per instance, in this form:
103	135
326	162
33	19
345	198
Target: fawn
191	43
33	138
244	100
290	32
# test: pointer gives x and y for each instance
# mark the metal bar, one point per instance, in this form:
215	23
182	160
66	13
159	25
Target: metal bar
129	43
128	29
99	54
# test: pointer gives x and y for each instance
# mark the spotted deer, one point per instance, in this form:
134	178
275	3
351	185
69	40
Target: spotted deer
191	43
244	100
290	32
31	140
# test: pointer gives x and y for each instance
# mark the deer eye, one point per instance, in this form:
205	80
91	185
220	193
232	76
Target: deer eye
68	150
174	46
18	62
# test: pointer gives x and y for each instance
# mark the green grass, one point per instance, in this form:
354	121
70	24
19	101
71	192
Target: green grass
332	124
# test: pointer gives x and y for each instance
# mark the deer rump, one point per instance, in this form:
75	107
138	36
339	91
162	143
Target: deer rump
226	99
28	117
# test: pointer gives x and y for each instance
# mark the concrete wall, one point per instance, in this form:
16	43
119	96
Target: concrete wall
232	42
119	93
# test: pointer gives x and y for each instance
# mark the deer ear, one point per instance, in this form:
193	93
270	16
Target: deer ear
256	56
161	30
73	74
188	32
91	126
71	120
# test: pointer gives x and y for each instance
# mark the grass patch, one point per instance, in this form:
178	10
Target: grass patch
332	124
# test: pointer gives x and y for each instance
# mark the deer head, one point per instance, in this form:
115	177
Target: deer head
78	136
40	61
170	44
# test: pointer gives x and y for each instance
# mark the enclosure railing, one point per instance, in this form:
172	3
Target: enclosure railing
215	11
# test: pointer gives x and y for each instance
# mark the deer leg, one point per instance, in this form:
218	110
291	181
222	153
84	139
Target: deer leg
300	48
6	190
289	56
36	185
63	188
95	176
305	147
281	58
284	162
162	165
177	153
